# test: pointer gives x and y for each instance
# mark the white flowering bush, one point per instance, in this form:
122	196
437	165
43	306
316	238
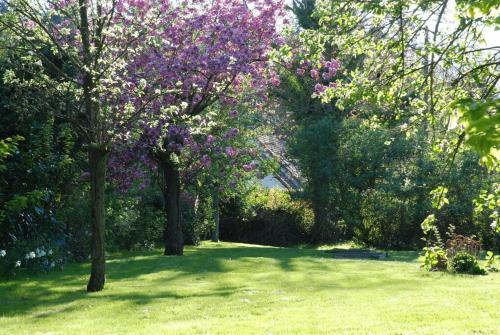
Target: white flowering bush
32	260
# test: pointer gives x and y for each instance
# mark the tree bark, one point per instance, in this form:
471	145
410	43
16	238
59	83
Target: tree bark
97	160
174	241
216	216
97	157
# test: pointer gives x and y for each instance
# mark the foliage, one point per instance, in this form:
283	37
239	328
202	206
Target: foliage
434	256
481	123
269	217
38	167
8	147
386	220
438	197
25	257
418	76
433	259
74	214
464	262
197	217
487	204
491	262
317	158
385	110
379	131
136	221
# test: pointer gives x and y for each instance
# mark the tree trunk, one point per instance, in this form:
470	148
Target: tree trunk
174	241
97	160
97	155
216	216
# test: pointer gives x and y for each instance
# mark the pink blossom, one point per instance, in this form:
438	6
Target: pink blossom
231	152
275	81
249	167
319	89
314	74
326	75
335	64
206	161
210	140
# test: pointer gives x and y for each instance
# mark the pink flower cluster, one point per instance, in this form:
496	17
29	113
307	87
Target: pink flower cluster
321	73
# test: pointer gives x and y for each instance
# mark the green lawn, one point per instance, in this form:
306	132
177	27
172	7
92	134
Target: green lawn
230	288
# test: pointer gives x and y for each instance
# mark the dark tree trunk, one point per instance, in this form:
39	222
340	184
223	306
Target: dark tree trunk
97	160
216	216
97	156
174	241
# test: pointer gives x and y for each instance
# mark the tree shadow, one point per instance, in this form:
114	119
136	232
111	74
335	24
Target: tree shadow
60	292
407	256
22	294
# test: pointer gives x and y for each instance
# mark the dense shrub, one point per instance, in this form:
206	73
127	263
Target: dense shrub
135	220
197	217
387	221
464	262
269	217
75	217
433	259
32	237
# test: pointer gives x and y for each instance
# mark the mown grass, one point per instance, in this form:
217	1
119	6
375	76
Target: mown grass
230	288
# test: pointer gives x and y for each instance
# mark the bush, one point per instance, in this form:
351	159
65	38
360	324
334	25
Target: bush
433	259
22	257
75	216
197	217
387	221
136	221
464	262
269	217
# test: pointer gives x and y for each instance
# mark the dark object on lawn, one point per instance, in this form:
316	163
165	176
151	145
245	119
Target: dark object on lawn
459	243
464	262
357	254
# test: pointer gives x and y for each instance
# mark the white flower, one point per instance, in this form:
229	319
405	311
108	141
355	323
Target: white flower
50	252
32	255
407	181
3	253
18	264
52	264
40	252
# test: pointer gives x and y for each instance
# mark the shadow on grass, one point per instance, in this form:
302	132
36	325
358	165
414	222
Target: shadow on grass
60	292
403	256
22	294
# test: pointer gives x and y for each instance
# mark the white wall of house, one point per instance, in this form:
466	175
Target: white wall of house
271	182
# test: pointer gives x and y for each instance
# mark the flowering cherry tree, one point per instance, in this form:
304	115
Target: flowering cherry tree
205	52
154	63
92	42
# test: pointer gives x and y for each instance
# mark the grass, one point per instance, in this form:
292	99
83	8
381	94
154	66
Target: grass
230	288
